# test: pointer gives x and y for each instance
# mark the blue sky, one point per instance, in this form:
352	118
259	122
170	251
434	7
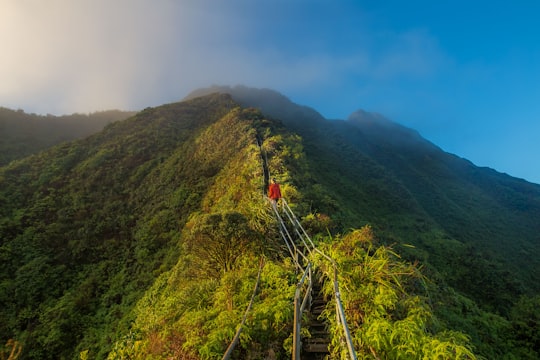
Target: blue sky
465	74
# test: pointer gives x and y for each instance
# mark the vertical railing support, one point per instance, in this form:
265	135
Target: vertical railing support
296	332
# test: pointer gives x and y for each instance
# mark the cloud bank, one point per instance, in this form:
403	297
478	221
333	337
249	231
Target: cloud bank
67	56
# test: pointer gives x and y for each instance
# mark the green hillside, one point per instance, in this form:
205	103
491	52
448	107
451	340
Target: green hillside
384	174
144	241
22	134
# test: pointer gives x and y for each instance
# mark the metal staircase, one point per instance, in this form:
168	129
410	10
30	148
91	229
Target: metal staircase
316	346
309	299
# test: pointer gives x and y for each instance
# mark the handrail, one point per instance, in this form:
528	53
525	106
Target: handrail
296	224
289	240
299	308
236	338
294	220
340	316
340	312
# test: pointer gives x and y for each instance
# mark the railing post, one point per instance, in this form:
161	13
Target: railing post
341	315
296	331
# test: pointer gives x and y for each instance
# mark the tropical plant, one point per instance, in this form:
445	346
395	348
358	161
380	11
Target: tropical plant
388	315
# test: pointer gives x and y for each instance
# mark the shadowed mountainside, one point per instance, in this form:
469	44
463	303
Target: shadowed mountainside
22	134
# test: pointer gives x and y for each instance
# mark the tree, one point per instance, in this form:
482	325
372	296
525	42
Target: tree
217	240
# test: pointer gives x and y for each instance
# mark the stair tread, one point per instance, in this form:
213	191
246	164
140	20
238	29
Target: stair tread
317	345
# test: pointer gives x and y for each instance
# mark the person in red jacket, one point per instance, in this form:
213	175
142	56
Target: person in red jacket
274	192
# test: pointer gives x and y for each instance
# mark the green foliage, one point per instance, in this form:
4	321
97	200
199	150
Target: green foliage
88	226
142	241
198	317
216	241
193	310
369	170
386	317
525	318
24	134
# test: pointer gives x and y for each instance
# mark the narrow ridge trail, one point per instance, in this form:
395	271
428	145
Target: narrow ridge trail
309	301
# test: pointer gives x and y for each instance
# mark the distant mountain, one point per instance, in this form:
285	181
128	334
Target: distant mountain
22	134
143	239
270	101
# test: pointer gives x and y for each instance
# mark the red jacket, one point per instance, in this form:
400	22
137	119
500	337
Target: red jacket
274	191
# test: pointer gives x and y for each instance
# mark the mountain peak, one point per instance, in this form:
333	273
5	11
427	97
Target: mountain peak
380	127
272	103
367	117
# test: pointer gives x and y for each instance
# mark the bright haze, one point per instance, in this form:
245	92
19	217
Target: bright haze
465	74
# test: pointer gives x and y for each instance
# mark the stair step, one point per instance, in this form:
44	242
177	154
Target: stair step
316	345
317	324
319	334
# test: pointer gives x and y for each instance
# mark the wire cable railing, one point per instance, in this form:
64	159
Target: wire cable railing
296	253
300	247
300	304
306	241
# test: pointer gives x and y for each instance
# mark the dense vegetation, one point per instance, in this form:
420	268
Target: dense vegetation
144	241
22	134
474	225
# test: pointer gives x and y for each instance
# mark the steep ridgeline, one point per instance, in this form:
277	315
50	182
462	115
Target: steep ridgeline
490	232
145	239
86	227
478	228
193	310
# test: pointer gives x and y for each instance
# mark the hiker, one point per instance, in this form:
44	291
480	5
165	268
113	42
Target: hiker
274	192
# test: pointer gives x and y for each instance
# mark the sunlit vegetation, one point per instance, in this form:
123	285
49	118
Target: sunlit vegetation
11	350
387	310
145	240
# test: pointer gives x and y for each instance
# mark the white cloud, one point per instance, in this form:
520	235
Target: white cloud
86	55
82	55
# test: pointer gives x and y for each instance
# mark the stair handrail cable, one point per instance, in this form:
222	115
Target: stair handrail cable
288	238
285	234
287	243
296	224
299	308
340	312
295	220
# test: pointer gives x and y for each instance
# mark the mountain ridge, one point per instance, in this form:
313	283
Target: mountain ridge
93	227
436	179
22	134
